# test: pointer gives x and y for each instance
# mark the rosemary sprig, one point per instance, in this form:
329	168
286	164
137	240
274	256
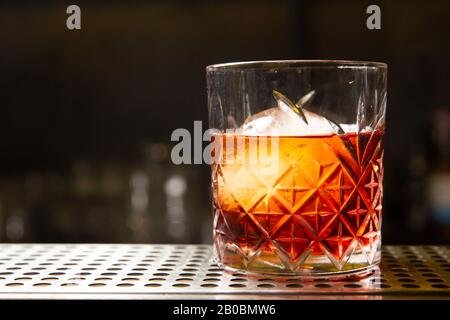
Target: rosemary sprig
297	108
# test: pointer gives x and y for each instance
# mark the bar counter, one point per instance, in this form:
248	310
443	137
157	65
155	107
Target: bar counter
129	271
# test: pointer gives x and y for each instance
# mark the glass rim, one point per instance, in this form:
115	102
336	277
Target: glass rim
288	64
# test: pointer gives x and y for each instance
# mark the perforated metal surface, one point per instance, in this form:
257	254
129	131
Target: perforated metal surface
166	271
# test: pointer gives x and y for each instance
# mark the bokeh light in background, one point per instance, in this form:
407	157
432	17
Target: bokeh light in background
87	115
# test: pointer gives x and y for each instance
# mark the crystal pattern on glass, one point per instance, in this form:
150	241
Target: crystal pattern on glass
311	206
319	212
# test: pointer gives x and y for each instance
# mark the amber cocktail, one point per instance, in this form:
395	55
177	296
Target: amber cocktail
321	209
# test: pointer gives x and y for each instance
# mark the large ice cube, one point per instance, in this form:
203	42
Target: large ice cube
276	121
284	120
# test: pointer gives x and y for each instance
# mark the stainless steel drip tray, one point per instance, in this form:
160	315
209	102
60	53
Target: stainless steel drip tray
120	271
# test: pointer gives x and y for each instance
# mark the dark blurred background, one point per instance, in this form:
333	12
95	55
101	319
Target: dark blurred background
86	116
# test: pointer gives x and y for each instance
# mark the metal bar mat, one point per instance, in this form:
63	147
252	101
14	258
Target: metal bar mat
107	270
